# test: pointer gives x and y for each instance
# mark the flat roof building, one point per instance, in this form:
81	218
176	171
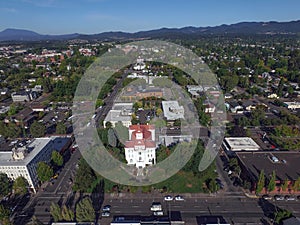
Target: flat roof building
172	110
284	163
23	160
120	112
234	144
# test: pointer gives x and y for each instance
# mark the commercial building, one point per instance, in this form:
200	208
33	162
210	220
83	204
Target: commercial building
121	112
235	144
172	110
22	160
140	149
284	163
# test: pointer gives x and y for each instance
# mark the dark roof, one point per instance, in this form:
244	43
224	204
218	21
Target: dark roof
291	221
248	103
287	166
233	104
24	114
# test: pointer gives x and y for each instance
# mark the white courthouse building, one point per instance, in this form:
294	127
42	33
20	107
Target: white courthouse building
23	161
140	149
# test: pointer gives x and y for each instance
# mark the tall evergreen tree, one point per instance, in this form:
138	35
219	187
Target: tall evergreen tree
261	182
272	183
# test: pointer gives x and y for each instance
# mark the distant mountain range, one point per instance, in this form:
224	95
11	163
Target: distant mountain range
292	27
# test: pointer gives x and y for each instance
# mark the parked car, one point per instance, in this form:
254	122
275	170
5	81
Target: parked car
106	208
267	197
158	213
168	198
156	206
289	198
105	214
278	198
179	198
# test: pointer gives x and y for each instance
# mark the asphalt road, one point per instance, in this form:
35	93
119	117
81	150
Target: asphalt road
235	208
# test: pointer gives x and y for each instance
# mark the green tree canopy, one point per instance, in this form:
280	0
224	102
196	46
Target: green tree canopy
212	185
20	186
272	184
85	211
285	185
37	129
261	182
84	178
296	185
44	171
4	214
281	214
5	185
61	128
55	212
67	214
57	158
34	221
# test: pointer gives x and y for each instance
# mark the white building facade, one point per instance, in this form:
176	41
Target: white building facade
140	149
23	161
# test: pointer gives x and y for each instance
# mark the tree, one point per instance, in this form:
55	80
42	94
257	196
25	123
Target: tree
57	158
84	178
44	171
46	84
61	128
85	211
12	109
5	185
272	183
112	139
280	87
34	221
261	182
177	123
67	214
212	185
281	214
285	185
159	111
37	129
296	185
108	124
20	186
4	215
55	212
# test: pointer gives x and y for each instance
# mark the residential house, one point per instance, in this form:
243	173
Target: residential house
235	107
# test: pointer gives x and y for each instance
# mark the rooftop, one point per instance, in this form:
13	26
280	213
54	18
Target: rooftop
116	115
172	110
34	147
241	144
284	163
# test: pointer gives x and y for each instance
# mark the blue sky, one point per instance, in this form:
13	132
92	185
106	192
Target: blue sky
95	16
